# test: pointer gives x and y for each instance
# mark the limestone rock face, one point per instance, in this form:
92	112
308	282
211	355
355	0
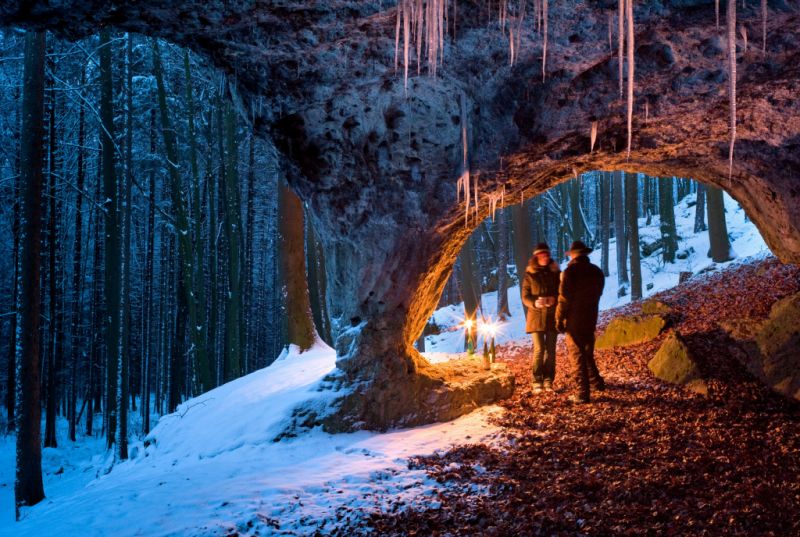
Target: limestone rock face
378	161
673	363
631	330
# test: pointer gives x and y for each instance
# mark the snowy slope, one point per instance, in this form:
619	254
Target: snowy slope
213	466
746	242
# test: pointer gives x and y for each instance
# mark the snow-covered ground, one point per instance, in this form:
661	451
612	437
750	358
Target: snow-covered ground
746	242
213	467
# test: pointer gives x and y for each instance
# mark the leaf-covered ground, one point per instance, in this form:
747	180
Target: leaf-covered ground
643	458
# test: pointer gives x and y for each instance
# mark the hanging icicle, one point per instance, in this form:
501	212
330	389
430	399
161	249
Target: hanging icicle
463	181
764	27
732	79
592	136
743	32
620	41
397	35
629	17
544	42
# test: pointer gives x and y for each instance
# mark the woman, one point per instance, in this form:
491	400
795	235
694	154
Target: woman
540	296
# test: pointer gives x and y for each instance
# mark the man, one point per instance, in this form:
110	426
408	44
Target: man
539	294
576	315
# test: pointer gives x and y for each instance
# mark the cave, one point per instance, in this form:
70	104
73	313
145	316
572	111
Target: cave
378	160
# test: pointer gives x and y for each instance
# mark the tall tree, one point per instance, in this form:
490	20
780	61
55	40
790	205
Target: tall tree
522	239
76	333
189	294
113	246
619	233
300	326
233	235
28	487
605	217
123	369
720	246
669	234
54	338
632	225
503	311
700	209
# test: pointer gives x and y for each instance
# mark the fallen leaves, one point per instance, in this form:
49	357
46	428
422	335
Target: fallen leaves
644	458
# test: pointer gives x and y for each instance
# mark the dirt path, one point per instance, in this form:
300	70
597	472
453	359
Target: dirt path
643	458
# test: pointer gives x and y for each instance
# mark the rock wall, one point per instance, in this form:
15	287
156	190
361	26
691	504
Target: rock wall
379	162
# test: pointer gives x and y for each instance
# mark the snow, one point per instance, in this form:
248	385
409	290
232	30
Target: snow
214	467
746	242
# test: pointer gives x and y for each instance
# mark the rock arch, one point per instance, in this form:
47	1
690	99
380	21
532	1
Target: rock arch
378	165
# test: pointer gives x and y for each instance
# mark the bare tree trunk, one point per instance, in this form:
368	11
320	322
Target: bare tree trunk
720	246
522	241
28	488
113	253
300	326
233	234
619	232
503	311
700	209
52	277
669	235
632	224
76	332
605	217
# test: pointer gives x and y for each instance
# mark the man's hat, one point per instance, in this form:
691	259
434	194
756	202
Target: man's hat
579	248
541	248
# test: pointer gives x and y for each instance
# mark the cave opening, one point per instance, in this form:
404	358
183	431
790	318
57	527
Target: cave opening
685	228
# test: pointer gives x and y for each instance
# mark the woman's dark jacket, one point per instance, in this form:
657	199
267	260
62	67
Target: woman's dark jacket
540	281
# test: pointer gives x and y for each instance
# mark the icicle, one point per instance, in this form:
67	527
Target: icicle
732	79
463	182
495	198
406	41
544	42
397	36
593	136
764	27
629	17
475	182
646	111
511	45
743	32
620	40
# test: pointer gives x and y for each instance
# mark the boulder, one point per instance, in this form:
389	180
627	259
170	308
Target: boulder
772	346
631	330
674	363
655	307
779	342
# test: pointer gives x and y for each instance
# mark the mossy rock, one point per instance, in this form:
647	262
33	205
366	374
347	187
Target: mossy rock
631	330
779	342
655	307
673	363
